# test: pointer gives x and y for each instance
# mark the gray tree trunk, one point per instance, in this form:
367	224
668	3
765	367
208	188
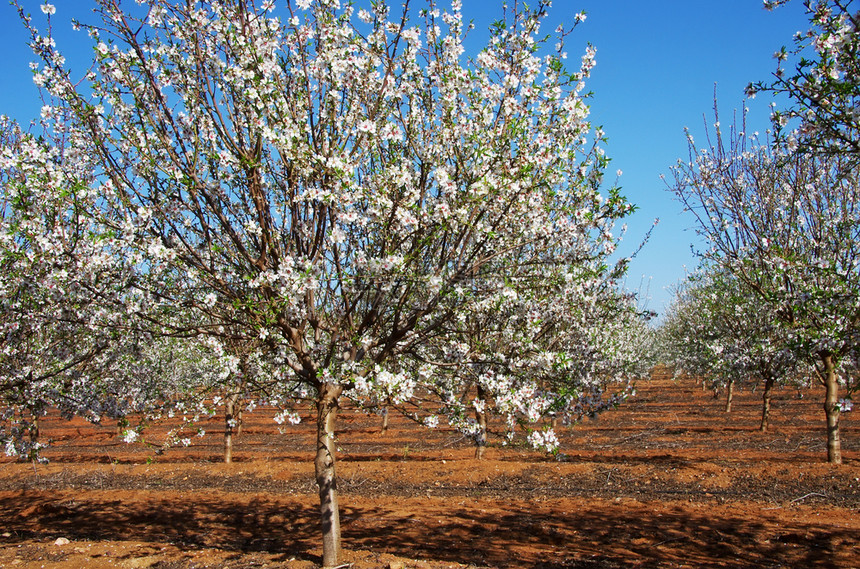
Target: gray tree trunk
324	466
481	420
385	416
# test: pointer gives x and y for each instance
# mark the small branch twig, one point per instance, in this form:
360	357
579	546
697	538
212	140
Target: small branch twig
807	496
667	541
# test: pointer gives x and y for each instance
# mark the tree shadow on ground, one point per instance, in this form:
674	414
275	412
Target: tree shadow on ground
607	535
196	521
543	534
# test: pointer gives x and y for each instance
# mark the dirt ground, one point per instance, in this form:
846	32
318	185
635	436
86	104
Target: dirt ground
666	480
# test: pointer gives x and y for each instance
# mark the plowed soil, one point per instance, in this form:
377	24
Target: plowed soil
666	480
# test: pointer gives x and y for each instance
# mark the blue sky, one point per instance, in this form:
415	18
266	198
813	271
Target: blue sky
657	64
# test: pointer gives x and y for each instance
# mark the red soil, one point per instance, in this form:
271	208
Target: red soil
666	480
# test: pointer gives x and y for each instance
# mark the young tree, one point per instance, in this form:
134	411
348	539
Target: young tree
323	178
52	331
722	329
529	354
787	225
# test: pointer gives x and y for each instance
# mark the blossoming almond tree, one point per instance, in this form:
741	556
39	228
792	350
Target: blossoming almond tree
720	329
68	341
787	225
824	85
50	326
322	178
526	354
544	345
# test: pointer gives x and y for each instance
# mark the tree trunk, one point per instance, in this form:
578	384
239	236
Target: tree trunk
229	422
765	407
385	416
730	388
831	409
240	387
324	466
239	422
481	420
35	430
481	435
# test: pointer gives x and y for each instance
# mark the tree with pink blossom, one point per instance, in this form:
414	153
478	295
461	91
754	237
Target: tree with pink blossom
786	225
820	75
331	184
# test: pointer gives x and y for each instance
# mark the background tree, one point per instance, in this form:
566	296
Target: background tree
720	328
787	226
68	339
530	354
823	88
52	332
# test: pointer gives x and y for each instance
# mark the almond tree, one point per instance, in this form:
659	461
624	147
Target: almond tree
548	345
820	74
52	332
528	355
67	339
700	337
323	178
720	329
787	225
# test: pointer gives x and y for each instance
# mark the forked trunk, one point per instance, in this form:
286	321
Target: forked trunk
831	409
730	388
324	466
765	406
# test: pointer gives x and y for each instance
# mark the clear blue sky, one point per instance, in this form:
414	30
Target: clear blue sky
657	64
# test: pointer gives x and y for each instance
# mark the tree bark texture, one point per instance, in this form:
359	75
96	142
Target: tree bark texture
765	405
385	418
35	430
239	422
229	421
730	391
324	466
831	408
481	420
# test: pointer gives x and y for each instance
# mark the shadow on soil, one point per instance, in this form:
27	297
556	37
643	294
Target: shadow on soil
604	538
524	535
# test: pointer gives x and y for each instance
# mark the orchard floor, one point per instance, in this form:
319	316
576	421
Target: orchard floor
666	480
